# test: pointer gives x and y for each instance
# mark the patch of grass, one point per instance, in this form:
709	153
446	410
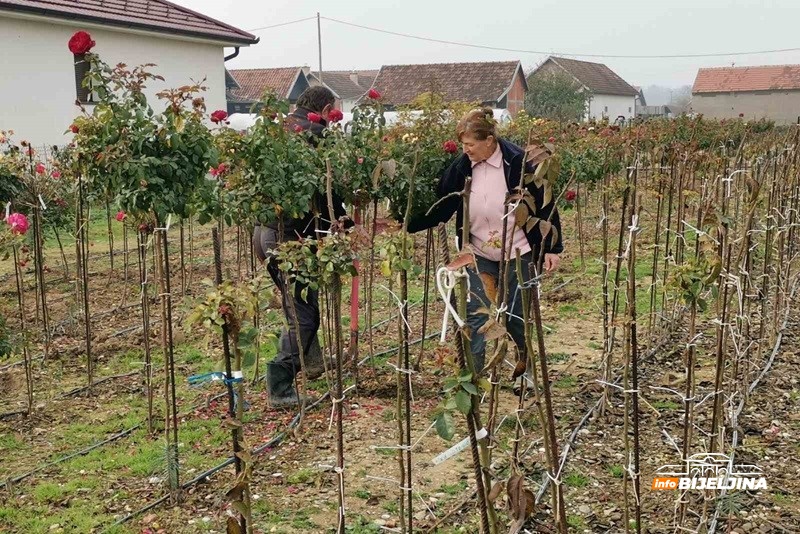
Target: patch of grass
303	476
363	494
566	381
576	480
390	506
453	489
10	442
361	525
665	405
386	452
568	309
388	415
50	492
576	522
190	354
616	471
780	498
595	345
302	521
557	357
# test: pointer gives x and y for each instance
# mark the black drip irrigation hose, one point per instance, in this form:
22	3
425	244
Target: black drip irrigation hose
77	390
127	432
90	448
276	440
13	480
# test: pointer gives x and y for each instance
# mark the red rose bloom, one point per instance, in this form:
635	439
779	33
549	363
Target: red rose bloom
121	216
80	43
219	116
56	174
551	139
450	147
40	168
335	115
373	94
571	195
297	128
74	128
314	117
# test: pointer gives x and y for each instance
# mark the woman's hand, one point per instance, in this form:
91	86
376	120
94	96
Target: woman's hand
551	262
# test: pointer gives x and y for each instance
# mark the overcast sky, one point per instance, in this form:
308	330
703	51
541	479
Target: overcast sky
615	27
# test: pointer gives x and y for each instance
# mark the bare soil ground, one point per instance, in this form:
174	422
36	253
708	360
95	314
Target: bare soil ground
294	487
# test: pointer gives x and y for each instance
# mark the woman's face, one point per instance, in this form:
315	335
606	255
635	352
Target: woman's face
478	150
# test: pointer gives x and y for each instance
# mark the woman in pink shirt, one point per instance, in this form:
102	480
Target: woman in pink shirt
496	166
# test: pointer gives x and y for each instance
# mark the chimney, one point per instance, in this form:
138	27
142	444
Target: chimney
306	69
354	77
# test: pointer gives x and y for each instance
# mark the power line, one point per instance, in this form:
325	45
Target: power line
543	52
282	24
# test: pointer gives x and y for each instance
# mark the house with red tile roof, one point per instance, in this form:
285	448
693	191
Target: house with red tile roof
287	83
348	85
41	82
499	84
767	91
612	97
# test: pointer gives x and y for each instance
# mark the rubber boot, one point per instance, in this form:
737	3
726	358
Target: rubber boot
280	385
315	367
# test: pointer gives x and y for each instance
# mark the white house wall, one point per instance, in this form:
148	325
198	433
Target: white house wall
612	106
783	107
37	87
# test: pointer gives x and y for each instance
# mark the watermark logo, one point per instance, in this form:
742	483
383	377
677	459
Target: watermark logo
709	471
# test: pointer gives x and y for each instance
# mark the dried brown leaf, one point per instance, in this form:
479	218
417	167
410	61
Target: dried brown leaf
465	259
236	493
489	286
536	154
521	214
544	228
519	369
233	526
495	492
498	356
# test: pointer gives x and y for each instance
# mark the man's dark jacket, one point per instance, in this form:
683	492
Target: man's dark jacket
453	180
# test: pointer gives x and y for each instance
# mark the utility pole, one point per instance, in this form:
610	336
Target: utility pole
319	45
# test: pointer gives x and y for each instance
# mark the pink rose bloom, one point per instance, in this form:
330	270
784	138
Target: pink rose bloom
18	223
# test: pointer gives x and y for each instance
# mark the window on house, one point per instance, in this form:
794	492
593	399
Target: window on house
629	109
83	94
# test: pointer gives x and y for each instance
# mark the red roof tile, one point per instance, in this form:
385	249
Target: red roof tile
343	85
597	77
465	82
733	79
154	15
254	82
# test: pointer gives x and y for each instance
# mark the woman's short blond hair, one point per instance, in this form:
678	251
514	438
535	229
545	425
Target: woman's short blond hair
479	123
